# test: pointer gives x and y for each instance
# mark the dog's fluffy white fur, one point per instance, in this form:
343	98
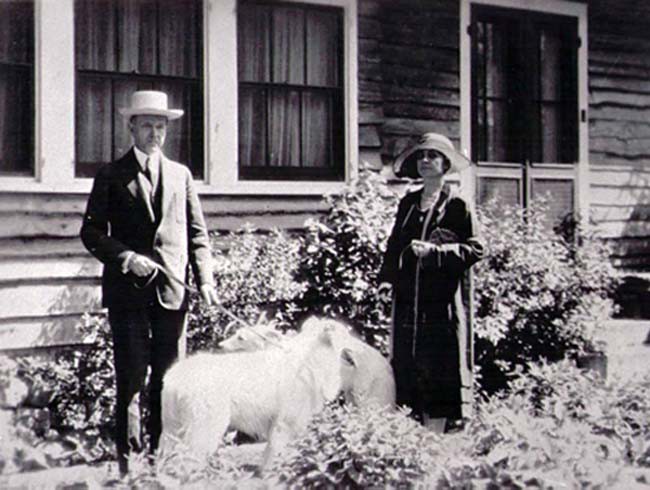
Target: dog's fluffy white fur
271	394
252	338
367	376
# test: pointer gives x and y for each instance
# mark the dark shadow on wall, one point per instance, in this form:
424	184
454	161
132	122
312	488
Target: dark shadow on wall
632	249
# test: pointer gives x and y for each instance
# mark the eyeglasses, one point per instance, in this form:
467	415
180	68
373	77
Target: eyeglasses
428	154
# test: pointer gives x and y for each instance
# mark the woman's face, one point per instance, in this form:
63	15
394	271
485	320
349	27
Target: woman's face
431	163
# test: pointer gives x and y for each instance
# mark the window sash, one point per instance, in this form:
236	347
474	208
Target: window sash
290	107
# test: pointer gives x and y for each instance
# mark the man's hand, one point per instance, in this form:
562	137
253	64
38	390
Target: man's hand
141	265
384	292
209	294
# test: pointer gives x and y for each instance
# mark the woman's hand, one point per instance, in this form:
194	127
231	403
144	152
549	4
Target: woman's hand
384	292
422	249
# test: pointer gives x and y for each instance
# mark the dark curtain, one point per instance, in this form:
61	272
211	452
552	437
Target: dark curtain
16	88
289	74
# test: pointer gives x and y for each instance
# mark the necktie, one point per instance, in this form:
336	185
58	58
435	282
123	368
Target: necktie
147	171
148	183
152	176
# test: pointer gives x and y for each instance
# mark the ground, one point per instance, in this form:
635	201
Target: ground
627	358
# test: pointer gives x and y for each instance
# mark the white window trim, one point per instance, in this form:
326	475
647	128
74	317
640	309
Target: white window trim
54	74
221	105
54	102
561	7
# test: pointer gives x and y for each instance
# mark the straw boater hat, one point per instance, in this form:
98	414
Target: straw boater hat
406	165
150	103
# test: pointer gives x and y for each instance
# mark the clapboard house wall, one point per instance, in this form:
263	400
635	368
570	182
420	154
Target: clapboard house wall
48	279
619	128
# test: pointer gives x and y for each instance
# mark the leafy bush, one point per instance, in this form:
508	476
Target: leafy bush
330	270
68	415
349	447
557	427
255	275
342	253
82	380
538	295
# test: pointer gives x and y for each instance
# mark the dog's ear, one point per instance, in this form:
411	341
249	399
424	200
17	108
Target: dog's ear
326	335
347	355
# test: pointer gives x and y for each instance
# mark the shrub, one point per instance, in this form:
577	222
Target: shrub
342	254
557	427
76	390
538	295
82	380
255	275
349	447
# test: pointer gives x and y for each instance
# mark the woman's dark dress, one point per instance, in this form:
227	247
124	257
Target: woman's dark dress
427	300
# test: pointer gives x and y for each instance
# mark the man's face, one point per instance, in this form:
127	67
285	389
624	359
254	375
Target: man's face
148	132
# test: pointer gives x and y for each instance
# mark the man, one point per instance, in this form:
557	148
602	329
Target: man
144	222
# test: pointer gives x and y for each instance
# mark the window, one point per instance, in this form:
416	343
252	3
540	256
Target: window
127	45
291	97
525	86
524	101
17	88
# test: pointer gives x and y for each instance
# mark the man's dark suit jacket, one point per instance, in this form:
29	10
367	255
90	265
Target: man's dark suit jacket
120	218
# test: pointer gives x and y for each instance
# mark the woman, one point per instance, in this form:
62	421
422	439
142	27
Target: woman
431	245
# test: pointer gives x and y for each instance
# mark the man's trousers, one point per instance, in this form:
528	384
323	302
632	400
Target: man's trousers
148	336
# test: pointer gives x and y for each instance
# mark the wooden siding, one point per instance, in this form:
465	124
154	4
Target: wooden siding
48	279
409	79
619	127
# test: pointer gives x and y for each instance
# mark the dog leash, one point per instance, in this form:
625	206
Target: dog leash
165	270
223	309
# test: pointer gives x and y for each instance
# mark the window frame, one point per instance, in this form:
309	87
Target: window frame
558	7
269	87
222	93
54	106
152	77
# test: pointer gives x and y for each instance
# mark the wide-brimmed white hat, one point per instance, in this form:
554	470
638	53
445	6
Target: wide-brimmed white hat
406	165
150	103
